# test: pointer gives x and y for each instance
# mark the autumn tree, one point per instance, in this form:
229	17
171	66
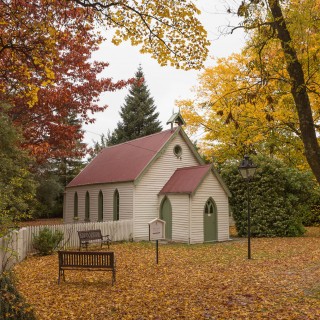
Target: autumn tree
31	30
74	91
237	116
280	74
53	175
45	51
138	114
294	25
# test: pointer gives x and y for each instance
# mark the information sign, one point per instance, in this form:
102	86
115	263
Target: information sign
157	229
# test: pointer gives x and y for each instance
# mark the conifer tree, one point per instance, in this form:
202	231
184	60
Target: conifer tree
139	116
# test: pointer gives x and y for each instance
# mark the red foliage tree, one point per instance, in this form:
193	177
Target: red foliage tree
48	77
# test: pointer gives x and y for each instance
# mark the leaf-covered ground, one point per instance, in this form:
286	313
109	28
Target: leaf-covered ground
210	281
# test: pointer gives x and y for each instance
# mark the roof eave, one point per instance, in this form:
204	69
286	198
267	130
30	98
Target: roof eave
222	183
96	183
176	193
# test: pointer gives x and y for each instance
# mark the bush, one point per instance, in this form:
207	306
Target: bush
280	198
312	217
12	305
47	241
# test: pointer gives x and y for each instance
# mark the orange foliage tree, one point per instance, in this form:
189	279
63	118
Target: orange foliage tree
45	69
47	77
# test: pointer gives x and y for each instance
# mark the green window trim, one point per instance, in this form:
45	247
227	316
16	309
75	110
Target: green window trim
87	207
116	205
100	206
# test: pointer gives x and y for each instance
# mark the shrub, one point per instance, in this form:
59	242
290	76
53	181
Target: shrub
280	198
47	241
12	305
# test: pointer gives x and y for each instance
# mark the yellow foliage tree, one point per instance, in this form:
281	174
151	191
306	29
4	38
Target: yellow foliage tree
247	103
30	30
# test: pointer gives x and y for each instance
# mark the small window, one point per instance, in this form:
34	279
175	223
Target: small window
116	205
100	206
87	207
177	150
75	205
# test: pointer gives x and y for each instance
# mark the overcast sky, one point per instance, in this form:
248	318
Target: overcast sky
165	84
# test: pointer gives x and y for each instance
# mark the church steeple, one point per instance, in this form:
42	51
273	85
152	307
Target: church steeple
176	118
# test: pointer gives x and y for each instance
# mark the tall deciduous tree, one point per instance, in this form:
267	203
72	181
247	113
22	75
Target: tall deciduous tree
138	114
283	21
272	93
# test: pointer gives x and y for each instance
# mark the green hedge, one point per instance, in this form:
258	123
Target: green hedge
281	198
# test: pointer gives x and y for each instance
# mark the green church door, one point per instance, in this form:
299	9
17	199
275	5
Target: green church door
166	215
210	222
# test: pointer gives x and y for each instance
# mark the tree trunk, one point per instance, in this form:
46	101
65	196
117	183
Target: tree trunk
298	90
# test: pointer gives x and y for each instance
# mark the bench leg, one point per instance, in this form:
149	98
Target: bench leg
61	274
113	276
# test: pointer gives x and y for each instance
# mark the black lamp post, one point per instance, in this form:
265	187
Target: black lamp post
247	170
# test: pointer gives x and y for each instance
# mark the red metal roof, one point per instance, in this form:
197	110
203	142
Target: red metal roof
185	180
122	162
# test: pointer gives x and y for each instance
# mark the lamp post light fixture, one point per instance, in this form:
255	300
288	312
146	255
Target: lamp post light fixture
247	170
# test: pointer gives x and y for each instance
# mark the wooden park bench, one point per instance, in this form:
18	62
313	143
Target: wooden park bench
85	237
88	260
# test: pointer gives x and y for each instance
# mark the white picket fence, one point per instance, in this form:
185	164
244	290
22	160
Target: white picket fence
15	246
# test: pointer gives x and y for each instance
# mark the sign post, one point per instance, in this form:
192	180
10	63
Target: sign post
157	232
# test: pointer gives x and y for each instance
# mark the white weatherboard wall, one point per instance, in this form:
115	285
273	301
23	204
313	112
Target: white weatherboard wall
180	216
210	187
126	201
147	190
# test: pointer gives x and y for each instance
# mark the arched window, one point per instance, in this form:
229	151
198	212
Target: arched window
209	207
75	205
116	205
87	207
100	206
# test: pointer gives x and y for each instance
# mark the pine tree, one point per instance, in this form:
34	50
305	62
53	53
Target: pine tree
139	116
